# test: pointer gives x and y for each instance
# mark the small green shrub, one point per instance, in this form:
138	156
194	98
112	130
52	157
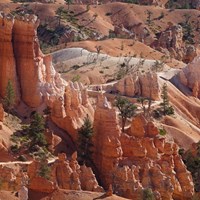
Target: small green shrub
44	171
147	194
162	131
76	78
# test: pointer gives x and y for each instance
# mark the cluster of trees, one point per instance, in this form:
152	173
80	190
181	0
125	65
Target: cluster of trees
167	109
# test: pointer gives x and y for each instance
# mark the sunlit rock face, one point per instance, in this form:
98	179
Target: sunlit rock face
137	159
34	78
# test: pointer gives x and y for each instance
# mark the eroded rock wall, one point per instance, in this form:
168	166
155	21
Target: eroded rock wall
145	85
138	159
189	77
171	43
38	82
7	60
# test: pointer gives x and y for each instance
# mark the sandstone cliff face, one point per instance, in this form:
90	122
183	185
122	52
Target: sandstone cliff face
70	110
1	113
171	43
137	160
107	151
7	61
38	81
37	77
189	77
145	85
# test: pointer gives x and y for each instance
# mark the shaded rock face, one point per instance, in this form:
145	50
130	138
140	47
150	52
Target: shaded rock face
64	174
137	159
189	3
171	43
142	85
1	113
189	77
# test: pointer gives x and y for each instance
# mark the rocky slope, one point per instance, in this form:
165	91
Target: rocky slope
128	162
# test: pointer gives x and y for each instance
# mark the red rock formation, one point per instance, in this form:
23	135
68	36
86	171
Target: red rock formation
36	182
69	112
88	180
189	76
171	43
39	82
1	113
64	174
52	140
145	85
7	61
139	160
107	151
10	177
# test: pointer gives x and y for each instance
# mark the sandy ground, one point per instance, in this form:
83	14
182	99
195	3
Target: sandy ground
72	195
6	195
134	48
96	68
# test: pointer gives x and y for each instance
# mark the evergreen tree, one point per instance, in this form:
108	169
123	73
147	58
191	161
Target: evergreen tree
36	130
9	98
126	108
167	109
44	170
149	15
165	100
85	134
147	194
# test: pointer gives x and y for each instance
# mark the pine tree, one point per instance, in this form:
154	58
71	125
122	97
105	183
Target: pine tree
167	109
36	130
149	15
44	170
85	134
126	108
147	194
165	100
9	98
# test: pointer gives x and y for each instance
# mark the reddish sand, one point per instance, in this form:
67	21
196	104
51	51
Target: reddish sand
71	195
